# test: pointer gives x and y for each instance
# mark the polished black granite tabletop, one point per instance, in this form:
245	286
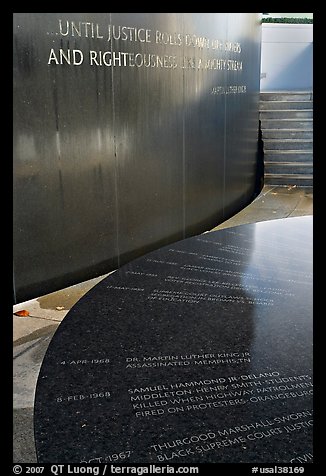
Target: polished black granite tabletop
199	352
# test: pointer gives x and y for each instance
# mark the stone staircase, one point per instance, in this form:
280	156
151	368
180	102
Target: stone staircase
287	133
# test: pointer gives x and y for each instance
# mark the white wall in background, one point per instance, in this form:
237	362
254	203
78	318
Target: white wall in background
286	57
290	15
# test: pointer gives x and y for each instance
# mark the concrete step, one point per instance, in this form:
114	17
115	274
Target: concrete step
288	156
287	96
287	131
295	168
286	114
287	134
286	123
268	105
288	144
289	179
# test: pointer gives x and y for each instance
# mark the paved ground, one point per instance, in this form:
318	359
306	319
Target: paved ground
32	334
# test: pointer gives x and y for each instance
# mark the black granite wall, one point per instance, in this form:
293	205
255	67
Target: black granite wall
131	130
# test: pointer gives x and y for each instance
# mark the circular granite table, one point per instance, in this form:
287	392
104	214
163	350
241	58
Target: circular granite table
199	352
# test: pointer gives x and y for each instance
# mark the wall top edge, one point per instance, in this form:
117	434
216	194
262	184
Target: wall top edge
287	25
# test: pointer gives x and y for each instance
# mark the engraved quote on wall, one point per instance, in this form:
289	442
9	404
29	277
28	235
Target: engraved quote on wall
180	57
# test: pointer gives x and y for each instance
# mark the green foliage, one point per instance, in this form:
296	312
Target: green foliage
287	20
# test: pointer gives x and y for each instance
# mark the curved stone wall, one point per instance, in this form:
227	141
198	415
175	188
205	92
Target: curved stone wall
131	131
